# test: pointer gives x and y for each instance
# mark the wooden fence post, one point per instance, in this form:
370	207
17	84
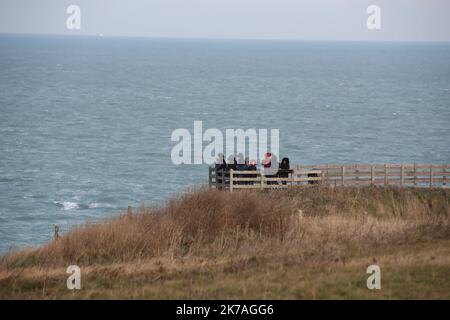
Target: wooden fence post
415	170
223	178
343	175
444	181
209	177
385	174
261	174
402	172
431	175
356	174
57	235
372	174
231	180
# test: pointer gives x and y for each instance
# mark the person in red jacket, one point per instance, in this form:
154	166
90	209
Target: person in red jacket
267	160
270	166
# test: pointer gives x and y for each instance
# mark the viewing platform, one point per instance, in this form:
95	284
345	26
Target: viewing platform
389	174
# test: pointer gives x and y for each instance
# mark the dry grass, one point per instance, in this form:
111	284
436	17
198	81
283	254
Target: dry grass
304	243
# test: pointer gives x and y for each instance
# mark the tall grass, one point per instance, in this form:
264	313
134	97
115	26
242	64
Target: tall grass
314	224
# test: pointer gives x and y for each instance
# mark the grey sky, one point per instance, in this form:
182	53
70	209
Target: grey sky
402	20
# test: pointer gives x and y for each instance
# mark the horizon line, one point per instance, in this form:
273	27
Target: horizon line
102	35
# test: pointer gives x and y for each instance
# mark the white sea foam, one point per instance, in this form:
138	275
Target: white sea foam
103	205
67	205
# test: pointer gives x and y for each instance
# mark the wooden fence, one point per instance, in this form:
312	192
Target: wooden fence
404	175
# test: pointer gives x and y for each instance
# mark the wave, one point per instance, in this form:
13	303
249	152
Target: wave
70	205
67	205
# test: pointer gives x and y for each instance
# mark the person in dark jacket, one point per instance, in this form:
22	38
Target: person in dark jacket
242	165
220	167
232	163
252	167
284	169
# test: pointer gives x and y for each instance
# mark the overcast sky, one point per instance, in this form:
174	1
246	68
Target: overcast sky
401	20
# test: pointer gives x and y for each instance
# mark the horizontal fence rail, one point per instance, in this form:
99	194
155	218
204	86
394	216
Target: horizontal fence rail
404	175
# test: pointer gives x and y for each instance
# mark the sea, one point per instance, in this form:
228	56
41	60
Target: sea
86	122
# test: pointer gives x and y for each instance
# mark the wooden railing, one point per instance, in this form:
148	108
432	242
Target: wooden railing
405	175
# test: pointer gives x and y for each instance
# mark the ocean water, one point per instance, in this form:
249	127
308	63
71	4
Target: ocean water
85	122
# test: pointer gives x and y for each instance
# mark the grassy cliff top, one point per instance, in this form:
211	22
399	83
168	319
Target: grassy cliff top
303	243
